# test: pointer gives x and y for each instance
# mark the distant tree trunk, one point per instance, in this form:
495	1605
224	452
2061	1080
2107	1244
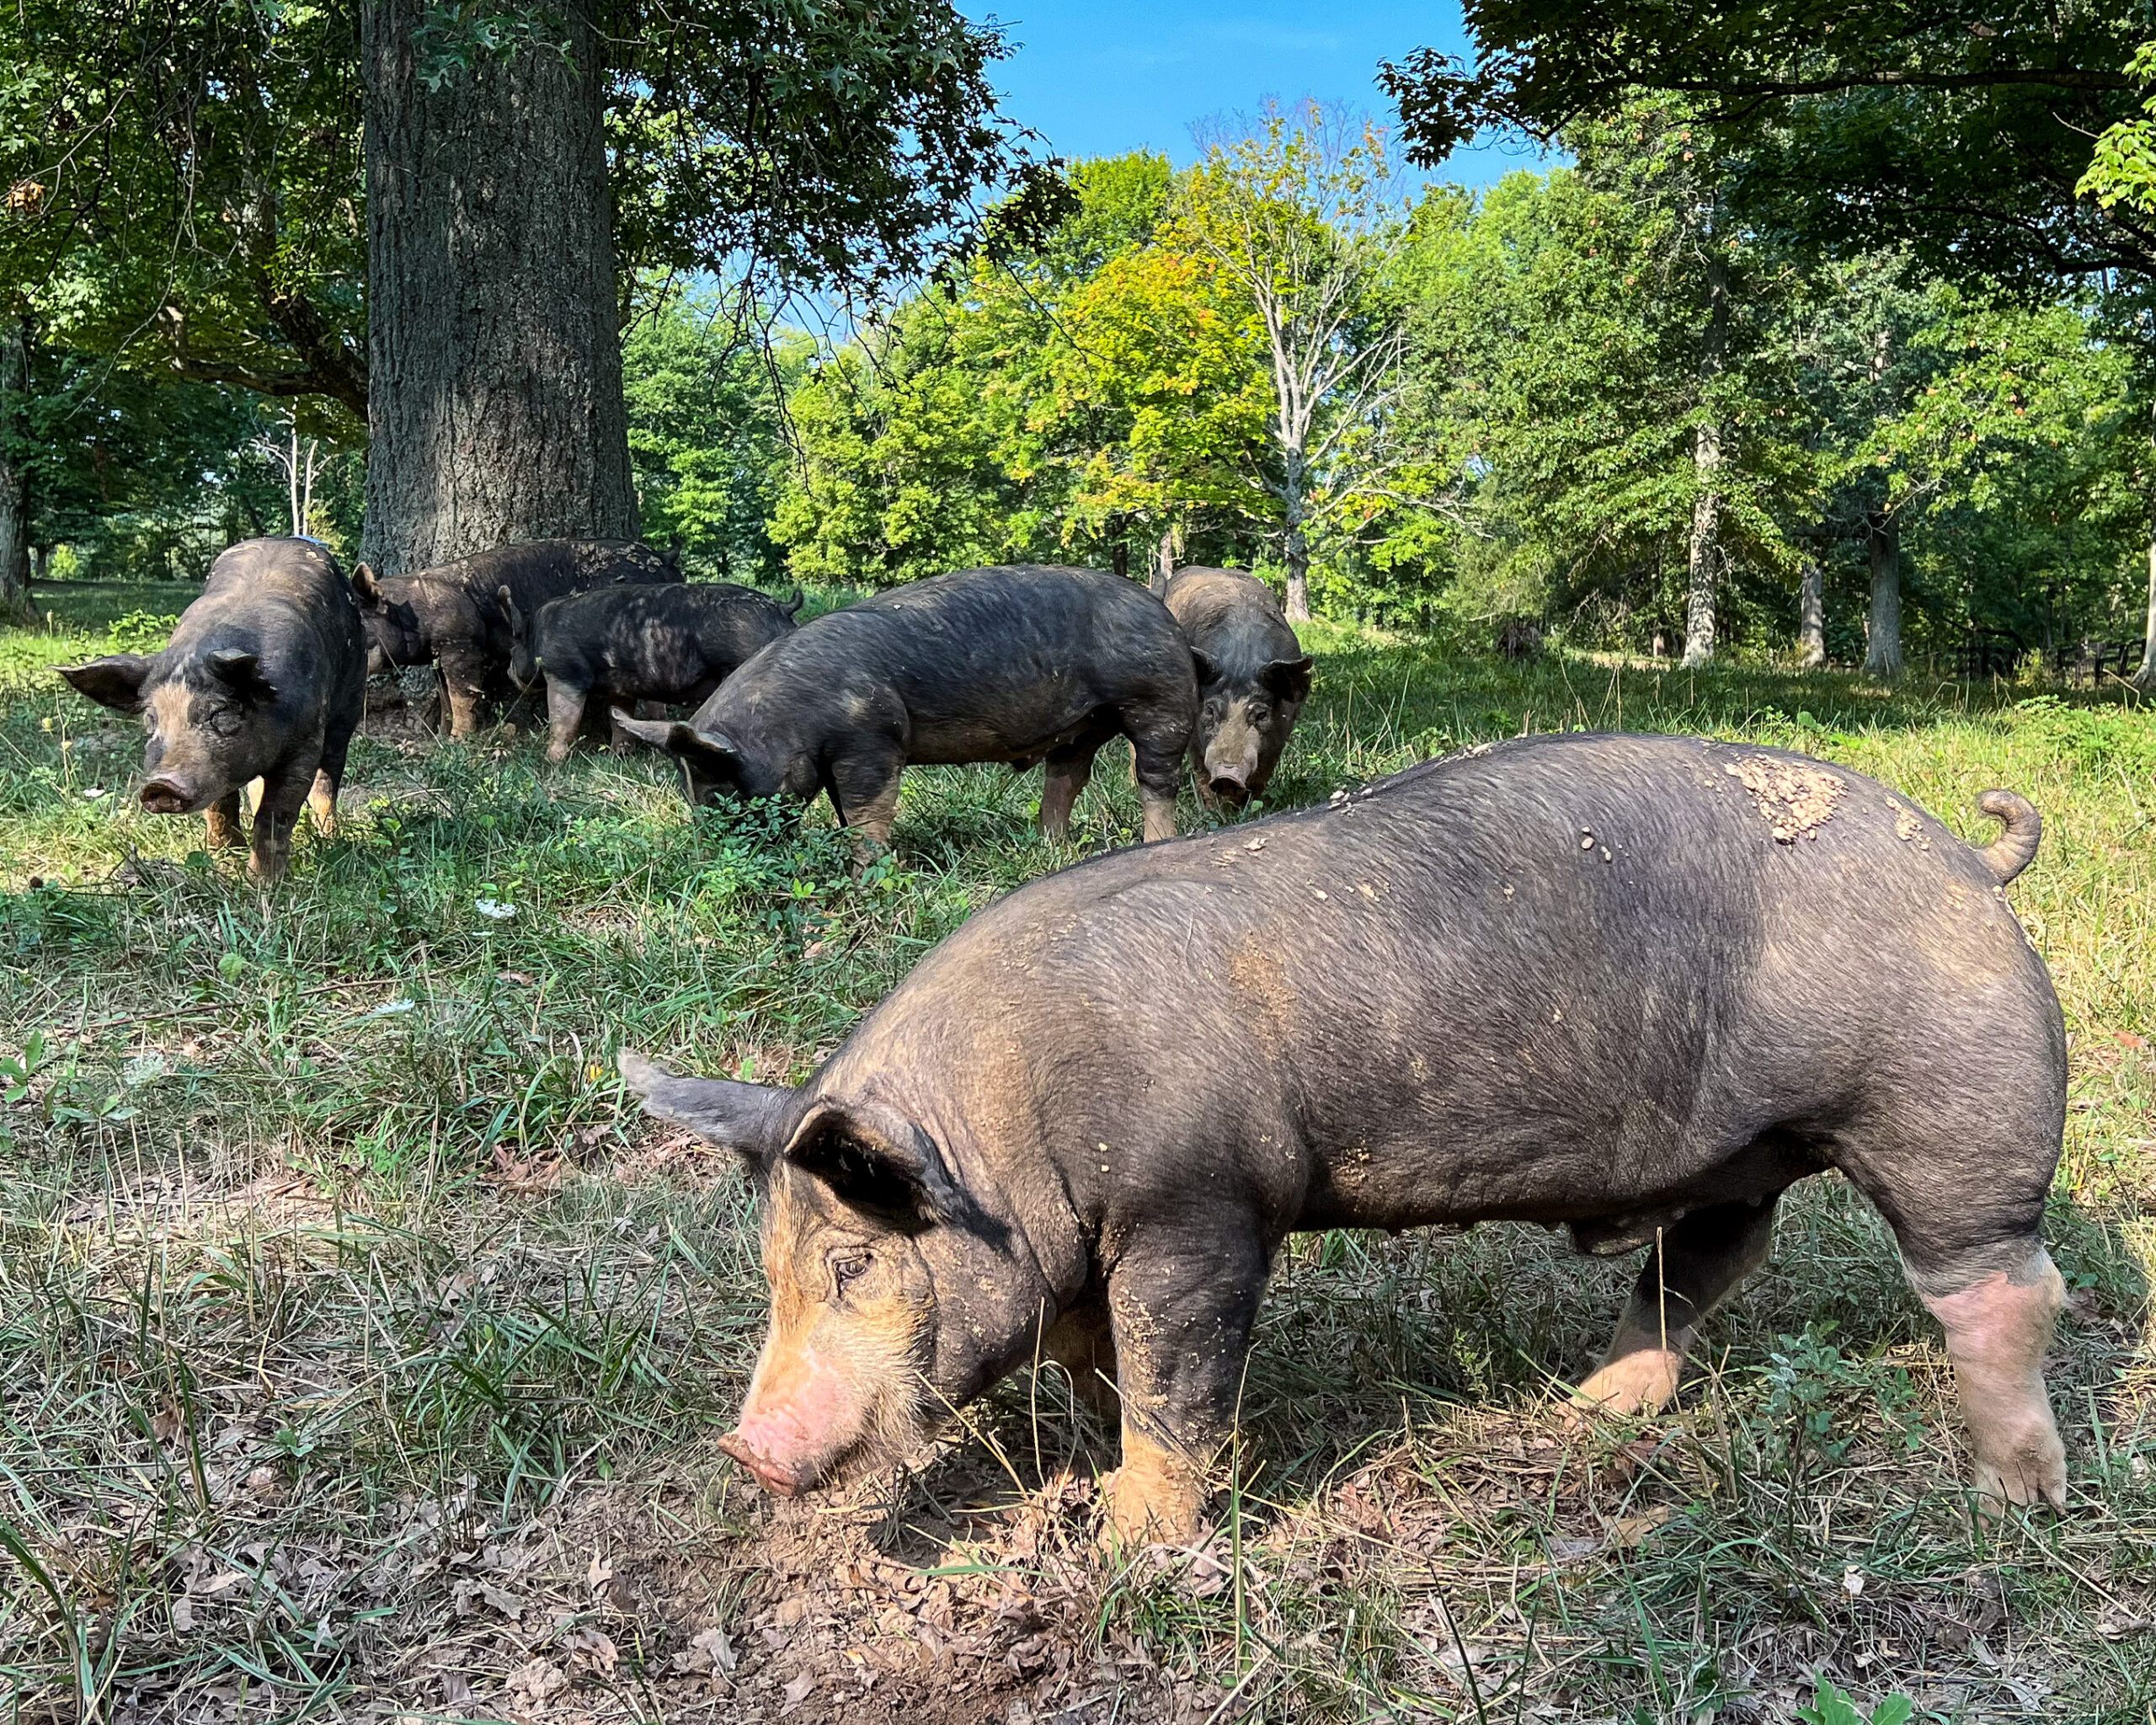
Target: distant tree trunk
1294	541
15	477
1812	613
1164	556
1703	567
1119	558
2145	678
494	393
1705	551
1882	656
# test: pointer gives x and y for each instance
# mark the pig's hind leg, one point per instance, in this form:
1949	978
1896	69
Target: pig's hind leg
329	781
1966	1217
1068	771
1692	1268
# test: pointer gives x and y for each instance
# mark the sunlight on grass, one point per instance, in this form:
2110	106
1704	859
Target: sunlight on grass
355	1344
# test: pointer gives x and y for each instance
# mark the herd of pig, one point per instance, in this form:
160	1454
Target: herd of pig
1632	987
265	678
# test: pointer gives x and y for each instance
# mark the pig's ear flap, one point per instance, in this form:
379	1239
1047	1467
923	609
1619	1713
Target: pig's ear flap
116	682
507	602
712	752
242	673
737	1117
1203	664
365	588
875	1160
791	603
1289	679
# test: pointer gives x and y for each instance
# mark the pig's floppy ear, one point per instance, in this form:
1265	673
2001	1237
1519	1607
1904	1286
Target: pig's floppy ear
1203	664
874	1159
1289	678
715	753
116	682
365	587
507	601
736	1117
242	673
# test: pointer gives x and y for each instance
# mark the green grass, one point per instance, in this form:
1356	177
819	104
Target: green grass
357	1349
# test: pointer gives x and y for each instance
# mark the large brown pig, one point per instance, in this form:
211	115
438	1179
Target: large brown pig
452	613
265	678
1253	678
1636	986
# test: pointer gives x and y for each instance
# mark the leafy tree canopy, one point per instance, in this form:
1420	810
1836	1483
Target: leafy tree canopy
1960	129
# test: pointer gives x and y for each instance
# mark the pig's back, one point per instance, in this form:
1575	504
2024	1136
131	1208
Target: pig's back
979	636
273	594
1631	953
1231	617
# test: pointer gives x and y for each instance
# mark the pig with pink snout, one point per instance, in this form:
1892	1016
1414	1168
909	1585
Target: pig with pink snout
1634	987
897	1294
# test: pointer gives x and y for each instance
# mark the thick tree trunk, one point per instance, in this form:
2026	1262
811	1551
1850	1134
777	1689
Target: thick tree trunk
1812	613
1882	656
1703	560
14	477
1165	555
494	384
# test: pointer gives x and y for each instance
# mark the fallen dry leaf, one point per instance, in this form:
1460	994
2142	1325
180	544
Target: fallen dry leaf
1628	1532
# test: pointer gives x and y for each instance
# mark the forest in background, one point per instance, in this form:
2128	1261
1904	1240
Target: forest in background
1560	402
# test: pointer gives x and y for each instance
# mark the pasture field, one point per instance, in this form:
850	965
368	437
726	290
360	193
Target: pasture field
362	1355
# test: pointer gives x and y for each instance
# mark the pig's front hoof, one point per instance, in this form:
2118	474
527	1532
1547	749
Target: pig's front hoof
1155	1498
769	1474
1639	1382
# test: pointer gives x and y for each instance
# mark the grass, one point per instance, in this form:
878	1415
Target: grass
359	1352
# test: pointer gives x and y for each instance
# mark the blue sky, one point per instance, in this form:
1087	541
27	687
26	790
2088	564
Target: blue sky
1097	77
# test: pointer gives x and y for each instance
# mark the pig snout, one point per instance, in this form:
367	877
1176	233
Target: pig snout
169	793
769	1475
1229	783
804	1413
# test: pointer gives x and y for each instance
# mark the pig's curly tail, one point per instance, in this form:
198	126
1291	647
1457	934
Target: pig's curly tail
2014	849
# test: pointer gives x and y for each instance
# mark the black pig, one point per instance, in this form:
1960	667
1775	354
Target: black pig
1018	665
1634	986
673	644
452	615
1253	678
264	677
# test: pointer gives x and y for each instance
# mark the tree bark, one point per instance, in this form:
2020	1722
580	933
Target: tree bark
2145	678
1882	656
14	477
494	358
1705	551
1704	561
1812	614
1164	556
1294	538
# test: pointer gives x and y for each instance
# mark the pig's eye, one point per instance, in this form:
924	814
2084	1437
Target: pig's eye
850	1268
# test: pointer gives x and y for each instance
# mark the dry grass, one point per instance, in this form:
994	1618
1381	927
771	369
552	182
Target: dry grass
358	1354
